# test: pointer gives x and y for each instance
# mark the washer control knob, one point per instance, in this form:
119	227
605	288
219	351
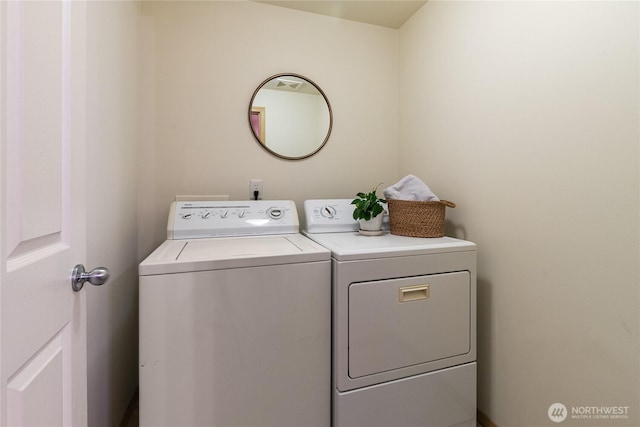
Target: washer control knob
186	216
205	215
224	214
275	213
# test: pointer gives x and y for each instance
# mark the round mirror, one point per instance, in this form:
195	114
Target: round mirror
290	116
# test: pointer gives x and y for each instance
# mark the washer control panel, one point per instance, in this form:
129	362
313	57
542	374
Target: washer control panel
332	216
200	219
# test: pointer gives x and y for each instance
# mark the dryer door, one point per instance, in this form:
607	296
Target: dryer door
404	322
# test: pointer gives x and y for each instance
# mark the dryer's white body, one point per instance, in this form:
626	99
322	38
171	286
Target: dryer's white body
404	325
235	331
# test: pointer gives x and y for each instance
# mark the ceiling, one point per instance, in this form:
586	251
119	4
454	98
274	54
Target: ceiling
387	13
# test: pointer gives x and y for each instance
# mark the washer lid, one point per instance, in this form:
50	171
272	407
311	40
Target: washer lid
182	256
354	246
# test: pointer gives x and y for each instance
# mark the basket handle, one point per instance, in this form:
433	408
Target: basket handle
448	203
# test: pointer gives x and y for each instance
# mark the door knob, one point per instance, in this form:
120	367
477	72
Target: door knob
97	276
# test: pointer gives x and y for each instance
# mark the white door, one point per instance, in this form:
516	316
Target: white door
42	320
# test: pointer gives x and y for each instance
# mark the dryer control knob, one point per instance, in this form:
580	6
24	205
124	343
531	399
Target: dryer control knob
328	211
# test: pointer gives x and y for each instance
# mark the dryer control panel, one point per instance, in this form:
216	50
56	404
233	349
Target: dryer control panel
201	219
333	216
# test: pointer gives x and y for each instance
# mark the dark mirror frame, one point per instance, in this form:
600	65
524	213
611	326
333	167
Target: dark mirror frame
251	112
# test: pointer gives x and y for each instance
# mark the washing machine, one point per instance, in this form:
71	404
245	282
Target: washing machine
235	320
404	324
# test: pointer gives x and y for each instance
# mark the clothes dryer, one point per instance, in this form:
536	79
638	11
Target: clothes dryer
404	324
235	320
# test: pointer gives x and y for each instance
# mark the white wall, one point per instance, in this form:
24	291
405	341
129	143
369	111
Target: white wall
526	114
203	62
112	144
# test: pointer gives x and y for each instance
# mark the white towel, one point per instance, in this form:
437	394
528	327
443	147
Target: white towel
410	188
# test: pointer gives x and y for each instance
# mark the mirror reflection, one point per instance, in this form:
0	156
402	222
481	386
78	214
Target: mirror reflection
290	116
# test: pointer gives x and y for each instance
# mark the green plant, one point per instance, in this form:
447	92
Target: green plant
368	205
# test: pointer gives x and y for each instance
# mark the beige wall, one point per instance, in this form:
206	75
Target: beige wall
203	60
526	114
112	138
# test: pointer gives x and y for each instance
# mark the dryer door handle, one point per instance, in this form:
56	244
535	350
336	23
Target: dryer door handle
413	293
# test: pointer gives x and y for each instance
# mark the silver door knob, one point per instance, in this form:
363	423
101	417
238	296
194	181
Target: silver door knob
97	276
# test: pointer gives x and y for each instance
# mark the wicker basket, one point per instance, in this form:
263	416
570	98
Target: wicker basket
417	219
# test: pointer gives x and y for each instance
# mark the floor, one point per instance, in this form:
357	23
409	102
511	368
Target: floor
132	416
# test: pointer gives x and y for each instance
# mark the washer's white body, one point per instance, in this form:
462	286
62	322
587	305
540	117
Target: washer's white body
235	331
404	324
